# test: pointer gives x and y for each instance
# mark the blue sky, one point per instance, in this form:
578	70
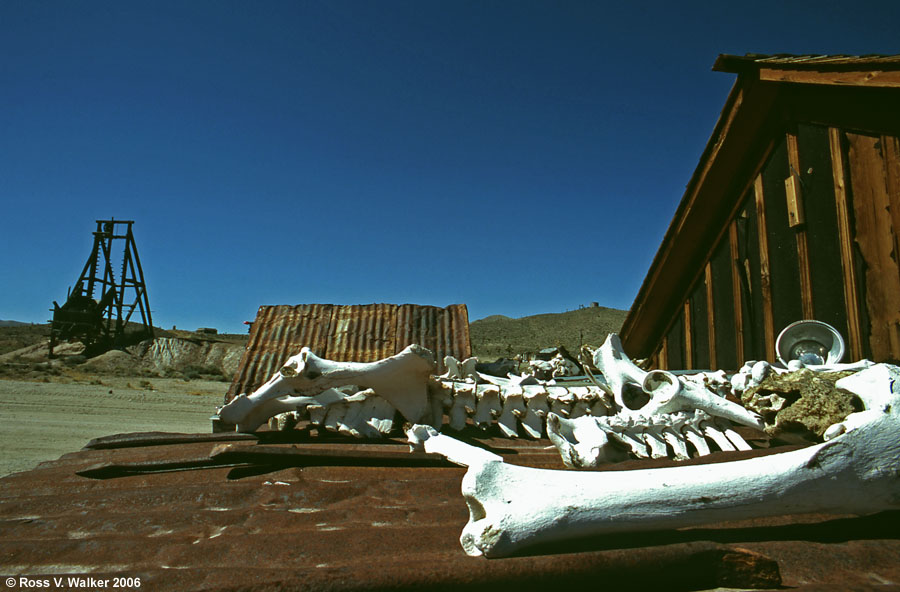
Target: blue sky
520	157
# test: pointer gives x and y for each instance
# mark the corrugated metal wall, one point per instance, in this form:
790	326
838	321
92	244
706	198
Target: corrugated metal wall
348	333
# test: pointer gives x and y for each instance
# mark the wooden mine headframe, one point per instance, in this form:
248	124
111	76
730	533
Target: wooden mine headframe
100	323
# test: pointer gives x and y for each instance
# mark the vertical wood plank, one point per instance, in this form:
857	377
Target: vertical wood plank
845	237
868	161
806	299
688	336
890	148
664	354
736	290
764	269
710	316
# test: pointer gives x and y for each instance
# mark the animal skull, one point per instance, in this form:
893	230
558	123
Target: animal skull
401	379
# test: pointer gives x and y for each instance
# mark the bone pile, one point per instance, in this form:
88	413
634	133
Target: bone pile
629	413
854	471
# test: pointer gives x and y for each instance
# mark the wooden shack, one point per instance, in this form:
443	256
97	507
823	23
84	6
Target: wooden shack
792	213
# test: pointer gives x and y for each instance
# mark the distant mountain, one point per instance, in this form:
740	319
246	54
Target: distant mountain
12	324
500	336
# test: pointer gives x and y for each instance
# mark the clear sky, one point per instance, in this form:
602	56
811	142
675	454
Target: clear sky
520	157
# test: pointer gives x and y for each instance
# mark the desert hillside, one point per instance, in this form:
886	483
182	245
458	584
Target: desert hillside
500	336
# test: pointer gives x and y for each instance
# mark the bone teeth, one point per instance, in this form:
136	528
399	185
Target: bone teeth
716	435
377	417
655	443
334	415
316	414
696	439
733	436
638	447
347	424
679	447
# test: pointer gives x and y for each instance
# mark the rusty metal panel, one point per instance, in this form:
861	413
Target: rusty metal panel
351	522
350	333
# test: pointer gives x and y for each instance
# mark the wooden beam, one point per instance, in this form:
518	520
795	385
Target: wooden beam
871	78
664	354
845	237
688	336
764	270
710	317
736	290
806	298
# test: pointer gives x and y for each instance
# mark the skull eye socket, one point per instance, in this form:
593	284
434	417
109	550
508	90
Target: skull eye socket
289	370
633	396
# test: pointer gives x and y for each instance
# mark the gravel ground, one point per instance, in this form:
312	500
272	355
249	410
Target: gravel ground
44	420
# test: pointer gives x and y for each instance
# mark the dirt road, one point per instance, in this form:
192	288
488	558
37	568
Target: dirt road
43	420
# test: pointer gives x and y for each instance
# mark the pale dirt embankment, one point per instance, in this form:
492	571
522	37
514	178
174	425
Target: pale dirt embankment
44	420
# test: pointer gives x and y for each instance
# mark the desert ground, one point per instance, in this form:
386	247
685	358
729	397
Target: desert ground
44	420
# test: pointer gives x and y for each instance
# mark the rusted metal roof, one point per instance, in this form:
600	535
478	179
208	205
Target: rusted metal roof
348	333
737	64
343	515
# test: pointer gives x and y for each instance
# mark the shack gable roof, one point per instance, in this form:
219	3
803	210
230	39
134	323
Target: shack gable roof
868	70
749	120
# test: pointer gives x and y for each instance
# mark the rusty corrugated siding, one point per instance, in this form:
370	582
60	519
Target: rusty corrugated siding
348	333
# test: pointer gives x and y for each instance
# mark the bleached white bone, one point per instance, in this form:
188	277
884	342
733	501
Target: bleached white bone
601	409
712	431
513	408
696	439
667	392
401	379
676	441
512	507
463	405
735	438
376	417
316	415
257	415
652	436
583	443
536	410
334	415
633	440
488	407
460	370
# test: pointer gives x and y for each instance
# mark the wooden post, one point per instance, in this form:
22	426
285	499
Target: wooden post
845	237
764	272
688	336
736	290
710	317
795	212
